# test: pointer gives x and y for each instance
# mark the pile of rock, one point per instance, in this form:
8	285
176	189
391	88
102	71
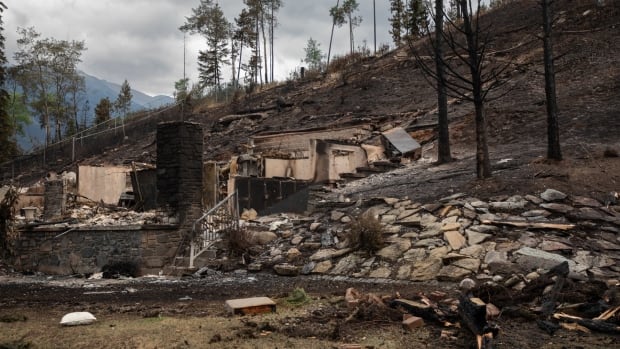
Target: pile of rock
505	239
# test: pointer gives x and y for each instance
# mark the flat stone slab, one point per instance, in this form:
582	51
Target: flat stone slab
254	305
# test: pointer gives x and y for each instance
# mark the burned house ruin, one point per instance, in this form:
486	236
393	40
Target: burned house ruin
167	216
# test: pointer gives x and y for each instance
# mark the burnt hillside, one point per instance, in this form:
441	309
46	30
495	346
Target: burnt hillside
391	90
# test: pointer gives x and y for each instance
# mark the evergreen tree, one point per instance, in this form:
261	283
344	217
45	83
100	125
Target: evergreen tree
208	20
103	110
244	35
47	70
181	90
314	56
397	9
344	14
273	6
415	20
19	115
7	144
123	100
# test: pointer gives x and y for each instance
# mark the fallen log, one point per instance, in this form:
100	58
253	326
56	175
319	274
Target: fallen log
530	225
592	324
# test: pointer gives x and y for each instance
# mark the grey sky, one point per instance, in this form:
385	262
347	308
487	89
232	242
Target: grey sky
139	40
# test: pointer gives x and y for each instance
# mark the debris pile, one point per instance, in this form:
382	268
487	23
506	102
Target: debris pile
505	240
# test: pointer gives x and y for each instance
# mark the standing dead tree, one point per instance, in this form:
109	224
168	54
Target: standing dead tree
470	73
553	130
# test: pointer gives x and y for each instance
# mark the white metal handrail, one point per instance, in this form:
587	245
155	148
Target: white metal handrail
209	228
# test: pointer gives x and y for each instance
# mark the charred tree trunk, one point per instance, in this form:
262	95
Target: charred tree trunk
483	163
443	148
553	132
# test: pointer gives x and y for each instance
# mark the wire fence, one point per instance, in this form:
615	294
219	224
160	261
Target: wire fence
106	135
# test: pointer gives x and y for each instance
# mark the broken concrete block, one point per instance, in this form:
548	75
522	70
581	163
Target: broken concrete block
412	322
255	305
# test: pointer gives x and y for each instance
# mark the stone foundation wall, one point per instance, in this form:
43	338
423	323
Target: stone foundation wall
87	250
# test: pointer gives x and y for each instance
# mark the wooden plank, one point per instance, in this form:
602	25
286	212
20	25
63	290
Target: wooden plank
254	305
531	225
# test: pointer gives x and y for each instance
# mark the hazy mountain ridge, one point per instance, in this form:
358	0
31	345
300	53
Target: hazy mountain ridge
96	89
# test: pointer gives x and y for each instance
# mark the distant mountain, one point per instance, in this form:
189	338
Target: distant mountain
96	89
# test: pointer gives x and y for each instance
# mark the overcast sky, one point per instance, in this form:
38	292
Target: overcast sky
139	40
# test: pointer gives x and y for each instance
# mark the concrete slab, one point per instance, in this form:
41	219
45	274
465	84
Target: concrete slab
254	305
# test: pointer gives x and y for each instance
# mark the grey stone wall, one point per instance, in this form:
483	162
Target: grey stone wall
88	249
179	169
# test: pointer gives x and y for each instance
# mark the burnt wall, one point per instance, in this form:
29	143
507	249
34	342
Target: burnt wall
55	198
180	169
269	195
88	249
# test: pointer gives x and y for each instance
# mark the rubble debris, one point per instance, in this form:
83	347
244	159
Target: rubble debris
400	143
246	306
412	322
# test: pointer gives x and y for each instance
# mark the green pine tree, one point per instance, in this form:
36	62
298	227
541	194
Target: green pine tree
8	147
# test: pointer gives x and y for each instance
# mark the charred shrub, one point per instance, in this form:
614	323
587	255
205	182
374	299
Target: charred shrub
365	233
239	241
114	270
8	232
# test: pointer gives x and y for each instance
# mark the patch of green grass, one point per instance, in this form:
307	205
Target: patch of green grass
298	297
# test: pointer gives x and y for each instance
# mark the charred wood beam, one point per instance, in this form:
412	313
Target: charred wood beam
473	315
416	308
592	324
549	300
530	225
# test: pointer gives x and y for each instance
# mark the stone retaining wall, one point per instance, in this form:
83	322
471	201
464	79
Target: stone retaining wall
88	249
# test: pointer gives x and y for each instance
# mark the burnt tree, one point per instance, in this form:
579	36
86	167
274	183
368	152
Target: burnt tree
469	73
443	132
553	129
